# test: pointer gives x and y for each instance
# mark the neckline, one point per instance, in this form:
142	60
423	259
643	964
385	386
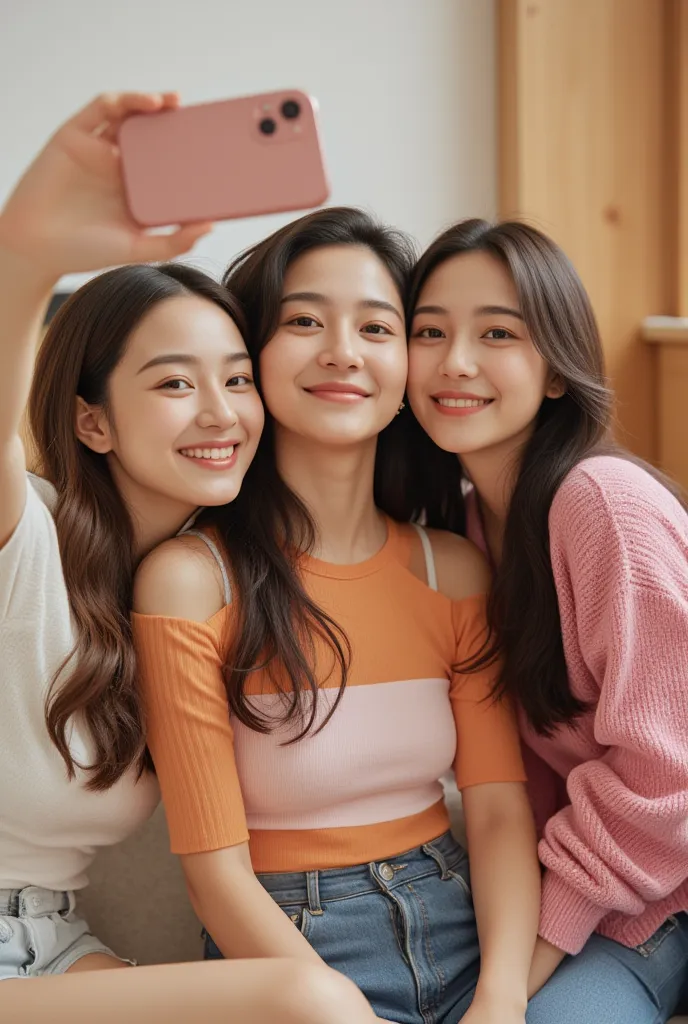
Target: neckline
357	570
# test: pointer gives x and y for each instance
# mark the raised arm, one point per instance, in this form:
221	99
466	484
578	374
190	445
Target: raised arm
67	214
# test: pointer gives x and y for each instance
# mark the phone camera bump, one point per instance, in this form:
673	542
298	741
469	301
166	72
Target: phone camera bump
290	110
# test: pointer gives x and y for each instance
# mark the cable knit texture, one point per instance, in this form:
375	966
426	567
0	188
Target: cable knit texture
616	852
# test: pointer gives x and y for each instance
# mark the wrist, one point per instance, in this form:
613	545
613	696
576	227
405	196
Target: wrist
512	998
24	267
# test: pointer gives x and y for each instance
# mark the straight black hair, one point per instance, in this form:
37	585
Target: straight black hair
267	527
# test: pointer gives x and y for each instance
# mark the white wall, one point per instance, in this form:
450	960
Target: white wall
406	88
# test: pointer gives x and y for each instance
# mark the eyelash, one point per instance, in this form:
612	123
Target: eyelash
440	334
313	322
429	337
242	378
503	330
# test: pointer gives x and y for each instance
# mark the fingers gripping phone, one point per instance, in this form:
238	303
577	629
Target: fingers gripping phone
224	160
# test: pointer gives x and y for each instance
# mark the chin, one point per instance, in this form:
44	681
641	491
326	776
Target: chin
449	441
219	497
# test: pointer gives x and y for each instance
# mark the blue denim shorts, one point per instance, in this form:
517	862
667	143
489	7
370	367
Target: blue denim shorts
41	934
403	929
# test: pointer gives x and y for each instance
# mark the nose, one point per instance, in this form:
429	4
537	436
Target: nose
342	349
217	410
460	359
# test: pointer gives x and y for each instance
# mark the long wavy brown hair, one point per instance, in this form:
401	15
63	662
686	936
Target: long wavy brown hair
523	609
83	345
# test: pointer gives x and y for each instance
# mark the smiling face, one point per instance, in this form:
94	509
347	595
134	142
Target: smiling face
335	369
476	380
183	416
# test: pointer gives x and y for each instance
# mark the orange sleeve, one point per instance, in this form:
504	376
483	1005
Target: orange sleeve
488	744
189	732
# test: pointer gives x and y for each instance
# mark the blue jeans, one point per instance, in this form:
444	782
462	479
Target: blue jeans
403	930
607	983
40	933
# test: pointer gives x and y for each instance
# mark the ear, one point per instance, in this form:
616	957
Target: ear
91	427
556	386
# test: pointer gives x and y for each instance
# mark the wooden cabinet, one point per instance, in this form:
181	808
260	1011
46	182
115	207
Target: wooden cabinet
594	150
668	336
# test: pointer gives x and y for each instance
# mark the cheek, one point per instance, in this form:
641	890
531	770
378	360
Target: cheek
392	369
519	380
253	419
277	370
422	366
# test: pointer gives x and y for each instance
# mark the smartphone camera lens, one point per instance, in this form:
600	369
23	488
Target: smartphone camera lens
290	109
268	126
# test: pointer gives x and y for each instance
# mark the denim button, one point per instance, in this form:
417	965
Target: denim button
386	872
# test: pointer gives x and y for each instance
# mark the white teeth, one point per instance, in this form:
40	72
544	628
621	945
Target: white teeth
208	453
462	403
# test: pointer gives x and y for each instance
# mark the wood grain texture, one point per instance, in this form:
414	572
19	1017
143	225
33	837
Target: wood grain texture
584	144
673	411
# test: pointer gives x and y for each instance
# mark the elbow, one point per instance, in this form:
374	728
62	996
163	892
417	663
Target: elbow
499	810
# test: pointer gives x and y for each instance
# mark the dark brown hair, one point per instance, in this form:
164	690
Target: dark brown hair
267	527
83	345
523	611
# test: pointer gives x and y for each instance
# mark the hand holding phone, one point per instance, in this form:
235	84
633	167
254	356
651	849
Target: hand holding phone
224	160
68	212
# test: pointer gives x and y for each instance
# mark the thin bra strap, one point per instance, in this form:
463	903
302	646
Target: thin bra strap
215	551
430	570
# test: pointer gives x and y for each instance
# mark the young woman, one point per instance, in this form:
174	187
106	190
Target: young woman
589	605
300	751
143	408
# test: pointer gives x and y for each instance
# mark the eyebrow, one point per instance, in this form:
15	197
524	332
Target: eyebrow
187	360
499	311
325	301
480	311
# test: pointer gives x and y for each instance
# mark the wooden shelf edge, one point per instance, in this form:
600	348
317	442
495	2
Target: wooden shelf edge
665	330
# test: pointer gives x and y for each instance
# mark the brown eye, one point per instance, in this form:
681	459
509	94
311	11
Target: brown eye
499	334
304	321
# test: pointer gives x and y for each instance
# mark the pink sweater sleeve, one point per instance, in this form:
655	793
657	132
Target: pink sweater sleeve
619	546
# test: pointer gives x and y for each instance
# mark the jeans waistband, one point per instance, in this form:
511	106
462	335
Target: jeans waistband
442	855
34	902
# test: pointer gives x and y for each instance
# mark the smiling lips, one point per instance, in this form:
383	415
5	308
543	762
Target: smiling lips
212	456
338	391
455	403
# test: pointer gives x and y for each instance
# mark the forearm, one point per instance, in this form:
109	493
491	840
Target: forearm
245	922
24	296
546	959
505	880
242	992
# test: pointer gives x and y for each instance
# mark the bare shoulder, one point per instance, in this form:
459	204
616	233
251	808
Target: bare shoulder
462	570
180	579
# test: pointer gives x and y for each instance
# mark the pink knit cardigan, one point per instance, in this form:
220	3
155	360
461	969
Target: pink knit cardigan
615	842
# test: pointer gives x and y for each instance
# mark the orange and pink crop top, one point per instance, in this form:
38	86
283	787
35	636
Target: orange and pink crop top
367	786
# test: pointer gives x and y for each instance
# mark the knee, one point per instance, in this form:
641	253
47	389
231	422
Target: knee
318	995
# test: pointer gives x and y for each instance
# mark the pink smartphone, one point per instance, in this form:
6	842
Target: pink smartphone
223	160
